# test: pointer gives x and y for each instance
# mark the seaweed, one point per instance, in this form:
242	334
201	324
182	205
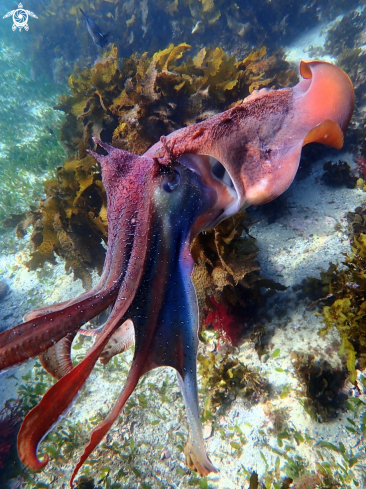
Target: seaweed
148	97
338	174
357	221
346	34
323	385
226	277
347	312
10	419
133	24
71	221
224	378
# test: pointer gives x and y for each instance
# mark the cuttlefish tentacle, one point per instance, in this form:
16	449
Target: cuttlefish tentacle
164	317
259	141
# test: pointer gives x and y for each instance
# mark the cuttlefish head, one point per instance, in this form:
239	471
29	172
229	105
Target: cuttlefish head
250	153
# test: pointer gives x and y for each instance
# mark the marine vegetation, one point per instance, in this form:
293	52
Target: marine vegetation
338	174
157	203
132	26
226	278
131	106
347	312
344	41
323	385
342	292
224	378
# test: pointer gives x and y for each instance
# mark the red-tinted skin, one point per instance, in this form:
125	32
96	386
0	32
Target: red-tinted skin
259	143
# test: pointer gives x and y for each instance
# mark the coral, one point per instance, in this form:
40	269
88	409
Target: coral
10	419
323	385
226	276
224	377
338	173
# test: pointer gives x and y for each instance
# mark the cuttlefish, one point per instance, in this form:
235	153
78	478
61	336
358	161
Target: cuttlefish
157	203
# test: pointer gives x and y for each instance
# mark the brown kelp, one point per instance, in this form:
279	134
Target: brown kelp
132	26
226	277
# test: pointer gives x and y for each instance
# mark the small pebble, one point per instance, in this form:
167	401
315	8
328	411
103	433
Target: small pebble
165	454
207	431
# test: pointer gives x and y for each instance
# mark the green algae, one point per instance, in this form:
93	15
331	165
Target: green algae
348	312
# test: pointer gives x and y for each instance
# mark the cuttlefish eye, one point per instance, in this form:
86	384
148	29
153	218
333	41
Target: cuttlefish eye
171	181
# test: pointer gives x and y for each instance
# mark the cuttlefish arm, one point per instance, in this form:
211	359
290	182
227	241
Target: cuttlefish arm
158	294
125	180
259	141
165	313
45	327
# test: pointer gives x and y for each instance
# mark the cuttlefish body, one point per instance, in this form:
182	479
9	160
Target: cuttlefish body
157	203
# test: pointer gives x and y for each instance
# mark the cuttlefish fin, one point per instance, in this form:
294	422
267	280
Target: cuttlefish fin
57	359
326	93
327	132
319	109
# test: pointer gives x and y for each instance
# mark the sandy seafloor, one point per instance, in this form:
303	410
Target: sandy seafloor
299	244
